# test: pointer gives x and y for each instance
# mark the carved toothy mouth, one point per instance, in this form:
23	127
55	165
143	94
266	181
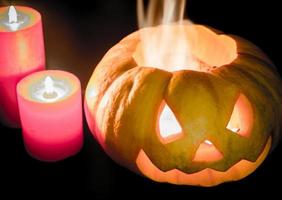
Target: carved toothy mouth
206	177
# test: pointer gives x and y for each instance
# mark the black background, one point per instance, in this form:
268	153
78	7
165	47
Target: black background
77	35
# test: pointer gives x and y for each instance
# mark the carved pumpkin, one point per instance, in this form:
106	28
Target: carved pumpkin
188	127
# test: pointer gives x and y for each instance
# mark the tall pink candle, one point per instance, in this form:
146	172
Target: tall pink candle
21	53
51	114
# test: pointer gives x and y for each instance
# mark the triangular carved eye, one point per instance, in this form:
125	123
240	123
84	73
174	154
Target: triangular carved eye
241	120
169	128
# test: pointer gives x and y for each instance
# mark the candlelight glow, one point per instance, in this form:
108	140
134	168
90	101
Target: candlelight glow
234	122
172	45
176	101
13	16
22	52
168	125
50	90
175	46
207	152
49	84
241	120
52	128
206	177
14	23
208	142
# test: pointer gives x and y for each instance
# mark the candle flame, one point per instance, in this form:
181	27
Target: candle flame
49	85
13	16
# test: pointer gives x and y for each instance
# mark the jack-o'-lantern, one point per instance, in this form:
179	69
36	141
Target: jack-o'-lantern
203	126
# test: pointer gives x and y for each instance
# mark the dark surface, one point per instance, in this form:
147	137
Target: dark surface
77	35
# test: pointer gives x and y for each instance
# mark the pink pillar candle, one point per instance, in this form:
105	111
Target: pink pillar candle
21	53
50	108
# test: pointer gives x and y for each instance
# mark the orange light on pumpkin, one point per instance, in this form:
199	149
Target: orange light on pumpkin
206	177
183	103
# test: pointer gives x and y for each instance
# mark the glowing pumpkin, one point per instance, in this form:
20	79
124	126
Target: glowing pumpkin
194	127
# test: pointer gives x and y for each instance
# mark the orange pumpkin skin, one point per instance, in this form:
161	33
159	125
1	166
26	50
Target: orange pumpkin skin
123	102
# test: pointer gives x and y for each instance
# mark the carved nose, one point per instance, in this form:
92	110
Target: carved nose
207	152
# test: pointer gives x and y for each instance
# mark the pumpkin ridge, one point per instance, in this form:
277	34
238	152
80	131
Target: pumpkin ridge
129	96
246	47
250	79
263	60
236	172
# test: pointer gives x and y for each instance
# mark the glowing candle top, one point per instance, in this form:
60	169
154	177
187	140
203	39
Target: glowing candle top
14	18
13	15
50	89
49	86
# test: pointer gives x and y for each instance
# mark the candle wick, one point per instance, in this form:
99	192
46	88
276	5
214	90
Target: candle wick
13	16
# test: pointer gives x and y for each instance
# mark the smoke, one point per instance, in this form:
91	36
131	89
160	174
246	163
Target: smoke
166	46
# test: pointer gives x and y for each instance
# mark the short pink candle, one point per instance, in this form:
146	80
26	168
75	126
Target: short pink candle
51	114
21	53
